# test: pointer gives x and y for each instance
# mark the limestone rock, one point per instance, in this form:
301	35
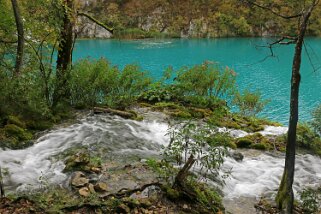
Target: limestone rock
101	187
84	192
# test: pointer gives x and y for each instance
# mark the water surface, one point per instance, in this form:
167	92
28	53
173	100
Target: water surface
255	69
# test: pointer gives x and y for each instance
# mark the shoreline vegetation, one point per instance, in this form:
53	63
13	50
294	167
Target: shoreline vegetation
203	92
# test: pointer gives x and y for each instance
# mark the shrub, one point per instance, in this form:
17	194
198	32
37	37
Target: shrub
97	82
206	80
189	145
249	103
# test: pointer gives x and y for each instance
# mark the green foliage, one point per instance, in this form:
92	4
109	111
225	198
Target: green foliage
191	139
88	82
308	139
208	197
310	200
12	130
207	81
249	103
159	92
164	169
316	120
97	82
16	121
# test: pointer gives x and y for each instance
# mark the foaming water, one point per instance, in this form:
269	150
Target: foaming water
260	174
28	167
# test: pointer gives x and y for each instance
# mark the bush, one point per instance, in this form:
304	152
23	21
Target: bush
188	143
206	80
97	82
249	103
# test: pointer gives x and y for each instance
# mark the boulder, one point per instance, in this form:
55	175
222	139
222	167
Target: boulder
237	156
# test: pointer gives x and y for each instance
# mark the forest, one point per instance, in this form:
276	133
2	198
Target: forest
108	134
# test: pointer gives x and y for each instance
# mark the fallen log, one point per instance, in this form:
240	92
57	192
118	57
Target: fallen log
124	114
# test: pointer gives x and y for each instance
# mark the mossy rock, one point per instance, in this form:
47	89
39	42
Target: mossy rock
260	146
16	121
244	142
77	161
15	131
231	145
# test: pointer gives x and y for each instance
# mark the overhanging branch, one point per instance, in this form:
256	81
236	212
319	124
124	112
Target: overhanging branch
273	11
91	18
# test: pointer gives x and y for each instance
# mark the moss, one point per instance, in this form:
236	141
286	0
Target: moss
12	130
282	197
171	193
244	142
230	124
260	146
16	121
169	105
232	145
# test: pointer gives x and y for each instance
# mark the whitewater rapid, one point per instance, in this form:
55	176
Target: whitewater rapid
259	173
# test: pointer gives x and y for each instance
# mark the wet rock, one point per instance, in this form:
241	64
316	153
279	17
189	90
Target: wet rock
237	156
79	179
84	191
101	187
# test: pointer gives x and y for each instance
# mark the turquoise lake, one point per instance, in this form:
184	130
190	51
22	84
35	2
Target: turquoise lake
254	70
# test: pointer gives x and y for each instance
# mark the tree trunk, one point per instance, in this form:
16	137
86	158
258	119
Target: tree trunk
64	58
1	185
20	31
285	196
183	173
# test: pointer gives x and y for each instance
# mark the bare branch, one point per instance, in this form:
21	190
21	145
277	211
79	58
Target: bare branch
273	11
